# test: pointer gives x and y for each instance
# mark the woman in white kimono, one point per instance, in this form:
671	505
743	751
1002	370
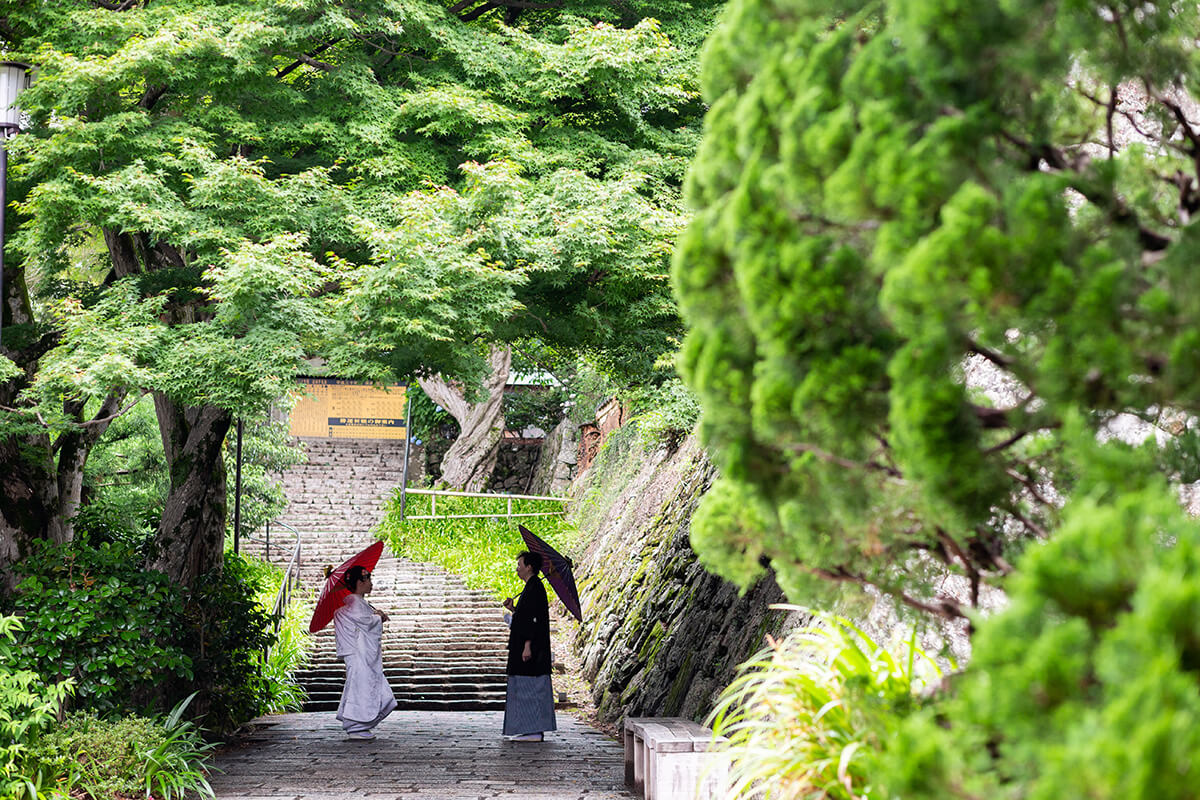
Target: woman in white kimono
367	697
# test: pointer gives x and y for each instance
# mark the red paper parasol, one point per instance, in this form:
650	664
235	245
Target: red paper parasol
333	594
557	569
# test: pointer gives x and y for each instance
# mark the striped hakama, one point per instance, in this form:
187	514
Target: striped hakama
529	705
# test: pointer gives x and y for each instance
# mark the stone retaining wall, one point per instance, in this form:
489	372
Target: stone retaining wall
661	636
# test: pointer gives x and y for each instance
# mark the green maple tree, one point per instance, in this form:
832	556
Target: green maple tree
209	192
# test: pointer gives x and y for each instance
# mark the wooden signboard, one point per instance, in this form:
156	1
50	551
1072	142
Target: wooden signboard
334	408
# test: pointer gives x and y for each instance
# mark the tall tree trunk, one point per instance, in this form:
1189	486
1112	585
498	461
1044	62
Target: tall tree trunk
25	468
470	460
74	447
40	480
27	500
191	534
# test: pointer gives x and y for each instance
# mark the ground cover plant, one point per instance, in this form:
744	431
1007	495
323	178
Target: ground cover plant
290	649
481	551
128	757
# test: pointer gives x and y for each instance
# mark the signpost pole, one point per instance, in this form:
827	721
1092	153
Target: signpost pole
407	446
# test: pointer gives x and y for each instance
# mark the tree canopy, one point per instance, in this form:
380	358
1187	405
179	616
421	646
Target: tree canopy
927	234
209	192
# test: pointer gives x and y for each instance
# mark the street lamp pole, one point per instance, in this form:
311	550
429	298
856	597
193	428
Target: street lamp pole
14	77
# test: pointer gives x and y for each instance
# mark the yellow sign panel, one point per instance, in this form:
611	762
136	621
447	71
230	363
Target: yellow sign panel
333	408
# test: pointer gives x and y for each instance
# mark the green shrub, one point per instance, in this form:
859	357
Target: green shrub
665	413
288	654
225	632
808	715
93	615
481	551
132	640
27	707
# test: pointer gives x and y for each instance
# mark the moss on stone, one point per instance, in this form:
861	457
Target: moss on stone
631	691
679	687
650	647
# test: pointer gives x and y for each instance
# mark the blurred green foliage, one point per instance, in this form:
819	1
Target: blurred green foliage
1088	683
897	205
937	280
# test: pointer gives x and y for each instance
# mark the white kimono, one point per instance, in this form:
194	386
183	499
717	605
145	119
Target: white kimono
367	697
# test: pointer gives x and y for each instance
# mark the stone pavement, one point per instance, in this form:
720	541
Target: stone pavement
419	755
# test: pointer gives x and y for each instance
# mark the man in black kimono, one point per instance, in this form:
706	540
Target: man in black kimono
529	704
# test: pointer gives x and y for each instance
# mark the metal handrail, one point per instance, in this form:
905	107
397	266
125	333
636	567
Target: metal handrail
267	541
434	494
291	574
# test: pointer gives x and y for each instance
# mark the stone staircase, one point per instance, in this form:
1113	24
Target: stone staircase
444	644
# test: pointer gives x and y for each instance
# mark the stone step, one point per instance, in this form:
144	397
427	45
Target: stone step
473	704
407	677
444	645
432	666
334	689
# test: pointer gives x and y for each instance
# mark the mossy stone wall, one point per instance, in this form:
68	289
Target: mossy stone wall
661	636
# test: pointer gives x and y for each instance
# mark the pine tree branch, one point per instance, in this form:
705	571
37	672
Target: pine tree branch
994	356
1185	125
967	563
945	608
1007	443
1029	484
1110	109
1038	530
1151	241
989	417
803	447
